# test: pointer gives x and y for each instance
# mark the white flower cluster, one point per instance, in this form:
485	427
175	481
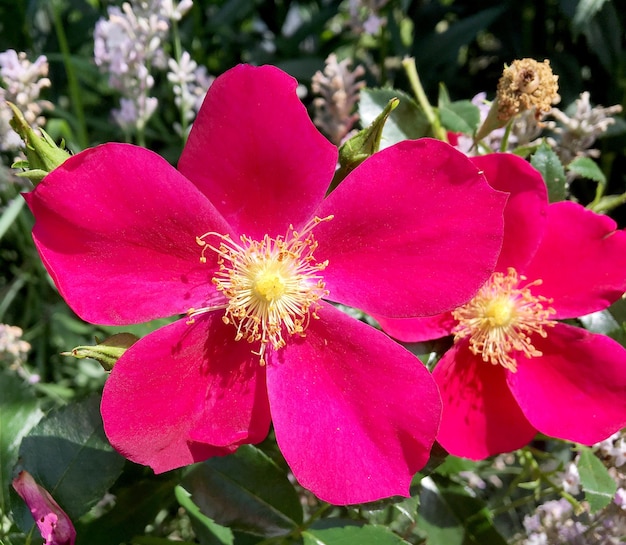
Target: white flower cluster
13	351
576	132
190	83
128	45
338	88
21	84
554	523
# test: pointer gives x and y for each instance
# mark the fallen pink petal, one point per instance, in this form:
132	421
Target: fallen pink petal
54	525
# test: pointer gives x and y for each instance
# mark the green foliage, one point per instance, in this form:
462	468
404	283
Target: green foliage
449	515
406	122
597	483
458	116
245	491
69	455
347	535
546	161
19	412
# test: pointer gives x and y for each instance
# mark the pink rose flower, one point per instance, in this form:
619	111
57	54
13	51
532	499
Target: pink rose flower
243	240
54	525
514	369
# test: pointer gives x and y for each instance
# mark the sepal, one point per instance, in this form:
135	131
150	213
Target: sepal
107	352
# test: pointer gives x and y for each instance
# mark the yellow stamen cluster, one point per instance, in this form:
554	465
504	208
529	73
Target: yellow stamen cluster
501	319
524	85
272	285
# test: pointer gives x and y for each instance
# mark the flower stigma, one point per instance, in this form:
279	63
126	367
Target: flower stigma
501	319
272	285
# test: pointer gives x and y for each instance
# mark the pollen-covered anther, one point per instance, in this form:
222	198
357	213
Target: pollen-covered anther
272	285
502	318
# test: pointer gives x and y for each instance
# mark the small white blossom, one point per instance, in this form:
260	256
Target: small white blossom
128	45
175	11
14	350
21	83
576	131
570	480
190	83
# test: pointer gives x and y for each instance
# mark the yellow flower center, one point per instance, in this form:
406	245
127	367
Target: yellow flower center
501	319
273	285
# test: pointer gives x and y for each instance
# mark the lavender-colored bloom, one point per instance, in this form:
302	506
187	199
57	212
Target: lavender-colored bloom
22	82
338	89
128	45
364	16
190	83
577	129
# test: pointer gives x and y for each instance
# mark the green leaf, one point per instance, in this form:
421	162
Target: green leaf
450	516
549	165
151	540
351	535
10	213
607	322
406	122
245	491
586	10
69	455
604	35
207	530
586	167
460	116
136	505
362	145
19	412
441	48
597	483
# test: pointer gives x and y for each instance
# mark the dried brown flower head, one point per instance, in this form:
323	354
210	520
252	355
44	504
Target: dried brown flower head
527	84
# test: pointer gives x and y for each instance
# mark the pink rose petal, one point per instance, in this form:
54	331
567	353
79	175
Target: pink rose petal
581	261
525	214
355	414
255	153
418	329
480	416
117	248
417	230
577	389
185	393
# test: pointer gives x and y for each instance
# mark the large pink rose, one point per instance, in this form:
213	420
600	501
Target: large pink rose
243	239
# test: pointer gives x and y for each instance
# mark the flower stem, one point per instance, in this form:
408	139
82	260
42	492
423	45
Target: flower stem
72	79
505	139
411	71
178	52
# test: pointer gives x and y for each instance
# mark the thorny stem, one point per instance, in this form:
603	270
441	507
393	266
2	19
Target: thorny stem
411	71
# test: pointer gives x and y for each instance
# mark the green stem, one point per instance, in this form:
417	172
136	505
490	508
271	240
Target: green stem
605	204
505	139
72	79
178	52
411	71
